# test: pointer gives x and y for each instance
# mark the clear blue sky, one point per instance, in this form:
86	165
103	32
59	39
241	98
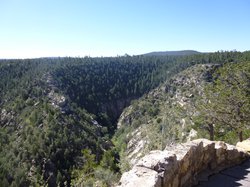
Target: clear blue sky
36	28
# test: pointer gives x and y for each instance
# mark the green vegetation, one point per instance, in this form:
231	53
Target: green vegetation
58	115
170	113
53	108
91	174
104	86
226	106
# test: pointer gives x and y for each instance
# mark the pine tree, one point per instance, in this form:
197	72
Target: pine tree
228	98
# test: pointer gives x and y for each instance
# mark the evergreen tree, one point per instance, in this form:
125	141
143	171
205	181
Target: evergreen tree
228	98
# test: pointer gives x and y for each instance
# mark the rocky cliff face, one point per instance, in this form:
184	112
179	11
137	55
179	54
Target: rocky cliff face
165	115
115	108
183	164
56	99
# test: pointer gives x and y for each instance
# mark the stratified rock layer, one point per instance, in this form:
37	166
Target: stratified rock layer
183	164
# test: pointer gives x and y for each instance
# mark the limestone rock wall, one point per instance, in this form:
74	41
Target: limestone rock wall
183	164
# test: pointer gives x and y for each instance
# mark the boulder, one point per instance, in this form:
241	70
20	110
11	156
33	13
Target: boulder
140	176
158	161
244	145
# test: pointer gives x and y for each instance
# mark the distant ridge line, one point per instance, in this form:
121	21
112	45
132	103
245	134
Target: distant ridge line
172	53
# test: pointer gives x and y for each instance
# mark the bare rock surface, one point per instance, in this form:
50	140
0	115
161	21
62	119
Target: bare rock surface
183	164
244	145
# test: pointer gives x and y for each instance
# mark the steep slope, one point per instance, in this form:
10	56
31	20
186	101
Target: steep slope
162	117
57	115
39	141
53	109
106	86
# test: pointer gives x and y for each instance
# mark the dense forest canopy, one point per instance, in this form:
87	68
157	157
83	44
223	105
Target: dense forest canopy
54	108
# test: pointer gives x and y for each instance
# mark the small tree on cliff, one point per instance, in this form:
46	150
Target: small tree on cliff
206	118
228	98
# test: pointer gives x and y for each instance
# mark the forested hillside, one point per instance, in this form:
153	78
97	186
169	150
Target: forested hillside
172	53
204	101
58	115
104	86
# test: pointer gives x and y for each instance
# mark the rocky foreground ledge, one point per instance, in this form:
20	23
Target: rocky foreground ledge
183	164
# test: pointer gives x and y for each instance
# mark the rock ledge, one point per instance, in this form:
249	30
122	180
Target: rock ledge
183	164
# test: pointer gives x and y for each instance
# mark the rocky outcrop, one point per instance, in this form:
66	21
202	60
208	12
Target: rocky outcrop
56	99
244	145
114	108
167	111
183	164
6	118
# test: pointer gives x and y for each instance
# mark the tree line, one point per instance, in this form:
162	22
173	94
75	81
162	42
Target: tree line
34	135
